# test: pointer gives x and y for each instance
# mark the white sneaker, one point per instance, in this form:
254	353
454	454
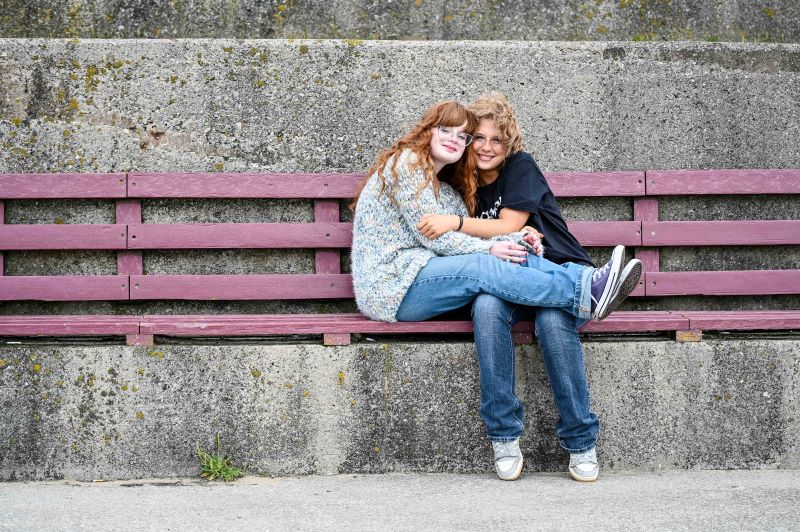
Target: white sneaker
583	466
507	459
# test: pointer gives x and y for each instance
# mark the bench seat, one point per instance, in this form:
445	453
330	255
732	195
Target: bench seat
354	323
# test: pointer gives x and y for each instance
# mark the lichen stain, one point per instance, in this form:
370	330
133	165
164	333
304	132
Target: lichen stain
340	377
90	78
140	415
255	373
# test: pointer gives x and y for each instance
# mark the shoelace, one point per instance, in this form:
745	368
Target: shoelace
504	449
599	272
586	458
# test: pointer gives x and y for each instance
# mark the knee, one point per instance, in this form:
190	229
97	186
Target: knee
552	321
487	306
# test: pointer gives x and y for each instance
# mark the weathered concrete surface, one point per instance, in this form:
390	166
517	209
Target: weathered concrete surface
696	500
332	105
131	412
738	20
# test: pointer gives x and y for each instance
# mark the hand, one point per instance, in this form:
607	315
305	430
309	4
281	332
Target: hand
529	229
433	226
535	242
509	252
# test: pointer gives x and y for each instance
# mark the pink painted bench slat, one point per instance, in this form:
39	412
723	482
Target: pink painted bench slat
691	182
754	233
357	323
85	325
241	287
52	237
52	186
596	234
723	283
735	320
341	186
241	235
594	184
219	185
638	321
64	288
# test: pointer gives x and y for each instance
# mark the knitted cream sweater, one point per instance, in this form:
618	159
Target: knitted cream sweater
388	252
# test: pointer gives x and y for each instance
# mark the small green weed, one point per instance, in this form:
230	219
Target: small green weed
216	466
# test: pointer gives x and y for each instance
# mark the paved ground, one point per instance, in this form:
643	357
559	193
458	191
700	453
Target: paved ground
697	500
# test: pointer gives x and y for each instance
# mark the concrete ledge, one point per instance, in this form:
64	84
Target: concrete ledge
117	412
738	20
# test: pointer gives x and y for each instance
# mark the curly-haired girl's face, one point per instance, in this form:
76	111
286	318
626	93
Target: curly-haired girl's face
490	152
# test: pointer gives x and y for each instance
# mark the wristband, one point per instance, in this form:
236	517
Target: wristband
460	223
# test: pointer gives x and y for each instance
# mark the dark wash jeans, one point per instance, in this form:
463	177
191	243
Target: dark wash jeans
557	332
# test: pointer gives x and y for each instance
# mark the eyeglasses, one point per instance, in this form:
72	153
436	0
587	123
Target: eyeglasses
447	133
494	141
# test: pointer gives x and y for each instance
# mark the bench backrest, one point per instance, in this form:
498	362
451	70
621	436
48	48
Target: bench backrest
328	235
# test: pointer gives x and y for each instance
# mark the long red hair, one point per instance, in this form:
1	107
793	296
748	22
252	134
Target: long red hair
461	175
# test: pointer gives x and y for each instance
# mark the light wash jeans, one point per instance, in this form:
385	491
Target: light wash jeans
449	283
557	332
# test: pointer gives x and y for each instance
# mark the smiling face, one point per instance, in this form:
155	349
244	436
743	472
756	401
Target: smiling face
489	150
445	149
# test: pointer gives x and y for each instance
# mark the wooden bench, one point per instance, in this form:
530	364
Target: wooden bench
328	236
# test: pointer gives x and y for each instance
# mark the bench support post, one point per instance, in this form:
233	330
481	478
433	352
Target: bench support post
690	335
336	339
139	339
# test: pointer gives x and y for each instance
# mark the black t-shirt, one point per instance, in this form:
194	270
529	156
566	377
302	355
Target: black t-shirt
521	186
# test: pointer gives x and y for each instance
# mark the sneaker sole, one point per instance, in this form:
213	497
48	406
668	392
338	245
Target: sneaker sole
517	473
628	281
608	292
579	478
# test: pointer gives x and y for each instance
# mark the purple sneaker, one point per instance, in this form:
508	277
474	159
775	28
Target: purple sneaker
627	282
604	283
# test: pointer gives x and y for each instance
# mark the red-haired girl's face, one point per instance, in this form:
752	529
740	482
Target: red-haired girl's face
447	144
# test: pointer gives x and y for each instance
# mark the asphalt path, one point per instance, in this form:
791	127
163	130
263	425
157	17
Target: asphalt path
675	500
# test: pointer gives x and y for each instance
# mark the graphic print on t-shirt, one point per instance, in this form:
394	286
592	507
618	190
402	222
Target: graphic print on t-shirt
491	214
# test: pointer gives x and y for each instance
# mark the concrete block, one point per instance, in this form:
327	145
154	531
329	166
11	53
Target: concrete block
87	412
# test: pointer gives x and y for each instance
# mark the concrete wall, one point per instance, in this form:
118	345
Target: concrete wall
126	412
736	20
100	105
200	105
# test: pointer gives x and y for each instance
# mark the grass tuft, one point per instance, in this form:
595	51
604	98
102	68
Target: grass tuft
216	466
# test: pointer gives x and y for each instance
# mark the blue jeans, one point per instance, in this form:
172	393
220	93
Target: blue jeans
557	332
449	283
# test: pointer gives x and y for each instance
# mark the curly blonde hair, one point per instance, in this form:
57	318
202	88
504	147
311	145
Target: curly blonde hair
494	106
459	175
